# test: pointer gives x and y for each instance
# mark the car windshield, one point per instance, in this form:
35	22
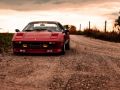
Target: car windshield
50	27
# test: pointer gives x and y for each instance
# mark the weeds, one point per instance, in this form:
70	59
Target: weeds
5	41
95	33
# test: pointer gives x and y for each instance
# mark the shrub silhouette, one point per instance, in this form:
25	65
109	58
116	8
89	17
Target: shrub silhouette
108	36
117	24
5	41
71	28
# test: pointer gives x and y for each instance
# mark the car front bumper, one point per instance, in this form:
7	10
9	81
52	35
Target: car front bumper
37	47
36	51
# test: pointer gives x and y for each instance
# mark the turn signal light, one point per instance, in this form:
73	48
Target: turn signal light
19	34
54	35
24	45
45	45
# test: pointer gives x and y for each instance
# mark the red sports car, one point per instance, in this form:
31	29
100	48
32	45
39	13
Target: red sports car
41	37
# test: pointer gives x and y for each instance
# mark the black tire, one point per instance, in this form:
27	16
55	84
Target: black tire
67	46
63	50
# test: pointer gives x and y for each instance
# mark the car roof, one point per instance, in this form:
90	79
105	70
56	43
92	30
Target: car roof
43	22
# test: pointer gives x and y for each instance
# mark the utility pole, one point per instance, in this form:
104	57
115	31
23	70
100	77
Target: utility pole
105	26
89	25
80	27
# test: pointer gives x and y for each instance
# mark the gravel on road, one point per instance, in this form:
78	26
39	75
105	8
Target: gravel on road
90	65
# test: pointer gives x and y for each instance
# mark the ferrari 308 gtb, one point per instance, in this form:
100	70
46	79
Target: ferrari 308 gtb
41	37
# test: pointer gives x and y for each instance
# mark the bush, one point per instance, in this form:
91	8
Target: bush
5	41
79	33
108	36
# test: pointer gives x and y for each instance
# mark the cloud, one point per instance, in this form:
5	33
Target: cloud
48	4
115	14
112	15
107	8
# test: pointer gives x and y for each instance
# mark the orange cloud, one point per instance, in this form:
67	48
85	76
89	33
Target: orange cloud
51	4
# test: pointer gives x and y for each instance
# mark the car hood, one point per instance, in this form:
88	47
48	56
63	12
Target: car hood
38	36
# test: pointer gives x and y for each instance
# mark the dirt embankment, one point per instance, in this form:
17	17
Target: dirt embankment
89	65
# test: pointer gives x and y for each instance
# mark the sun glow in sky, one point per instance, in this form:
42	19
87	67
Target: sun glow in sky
75	12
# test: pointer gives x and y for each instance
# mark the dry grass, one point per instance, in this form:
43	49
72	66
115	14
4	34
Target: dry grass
5	41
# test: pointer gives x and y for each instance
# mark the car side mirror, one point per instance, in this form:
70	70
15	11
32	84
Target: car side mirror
17	30
66	32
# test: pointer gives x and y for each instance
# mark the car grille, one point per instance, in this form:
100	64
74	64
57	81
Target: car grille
35	45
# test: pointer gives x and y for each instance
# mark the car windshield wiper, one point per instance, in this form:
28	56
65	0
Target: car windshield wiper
43	30
39	29
28	30
49	30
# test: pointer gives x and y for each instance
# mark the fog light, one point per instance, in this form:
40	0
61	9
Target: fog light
59	50
51	42
18	42
45	45
24	45
22	50
49	51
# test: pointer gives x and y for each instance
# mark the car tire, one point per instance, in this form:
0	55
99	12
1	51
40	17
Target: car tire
67	46
63	50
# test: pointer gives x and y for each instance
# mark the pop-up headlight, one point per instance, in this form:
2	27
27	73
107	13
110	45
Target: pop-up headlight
54	35
19	35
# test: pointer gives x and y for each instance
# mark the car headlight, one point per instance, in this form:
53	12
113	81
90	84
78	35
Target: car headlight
17	42
51	42
45	45
25	45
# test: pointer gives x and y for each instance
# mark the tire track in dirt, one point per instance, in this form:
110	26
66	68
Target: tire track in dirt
98	46
27	72
78	71
114	66
106	64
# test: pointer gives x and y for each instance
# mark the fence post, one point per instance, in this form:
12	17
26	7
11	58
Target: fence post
89	25
105	26
80	27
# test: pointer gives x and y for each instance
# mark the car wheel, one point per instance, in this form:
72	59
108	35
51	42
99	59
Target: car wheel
67	46
63	50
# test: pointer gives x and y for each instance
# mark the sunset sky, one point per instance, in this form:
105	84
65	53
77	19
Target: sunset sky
17	13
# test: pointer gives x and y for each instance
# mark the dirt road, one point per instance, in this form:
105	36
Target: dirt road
89	65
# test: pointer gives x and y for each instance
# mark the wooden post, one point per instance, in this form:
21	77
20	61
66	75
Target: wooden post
80	27
105	26
89	25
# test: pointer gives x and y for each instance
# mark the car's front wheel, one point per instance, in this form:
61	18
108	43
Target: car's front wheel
63	50
67	46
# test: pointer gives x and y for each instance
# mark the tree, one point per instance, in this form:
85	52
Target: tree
71	28
117	24
66	27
